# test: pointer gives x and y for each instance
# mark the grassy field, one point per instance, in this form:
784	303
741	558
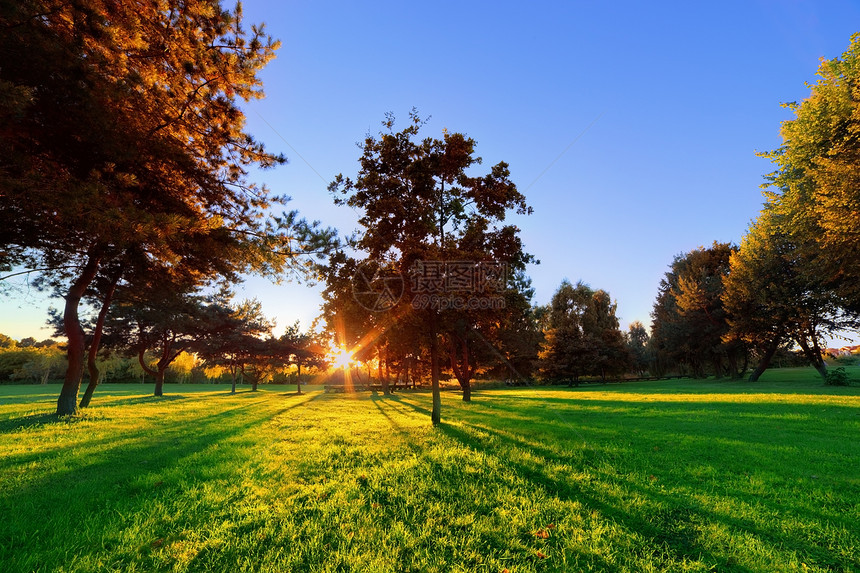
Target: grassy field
650	476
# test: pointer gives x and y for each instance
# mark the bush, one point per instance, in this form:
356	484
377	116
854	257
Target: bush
837	377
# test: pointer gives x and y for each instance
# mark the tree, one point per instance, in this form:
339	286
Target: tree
816	186
121	139
235	341
568	352
165	321
418	205
601	326
306	350
771	297
690	321
636	340
796	274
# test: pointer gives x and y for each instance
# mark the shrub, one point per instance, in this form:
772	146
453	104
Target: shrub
837	377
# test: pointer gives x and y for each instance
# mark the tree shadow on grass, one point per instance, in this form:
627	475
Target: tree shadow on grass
32	420
105	490
673	535
150	399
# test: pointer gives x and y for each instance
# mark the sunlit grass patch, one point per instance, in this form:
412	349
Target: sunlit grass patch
660	476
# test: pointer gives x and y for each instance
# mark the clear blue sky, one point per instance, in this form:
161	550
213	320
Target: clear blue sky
631	127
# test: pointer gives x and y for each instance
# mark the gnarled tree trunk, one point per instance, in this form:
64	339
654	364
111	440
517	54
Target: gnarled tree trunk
68	399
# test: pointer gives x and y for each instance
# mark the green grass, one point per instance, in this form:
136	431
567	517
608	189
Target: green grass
652	476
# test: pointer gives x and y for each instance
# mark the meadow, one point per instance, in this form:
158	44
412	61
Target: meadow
648	476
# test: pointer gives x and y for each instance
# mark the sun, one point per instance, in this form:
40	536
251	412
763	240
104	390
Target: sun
340	357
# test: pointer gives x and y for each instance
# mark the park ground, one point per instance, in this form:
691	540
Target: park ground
648	476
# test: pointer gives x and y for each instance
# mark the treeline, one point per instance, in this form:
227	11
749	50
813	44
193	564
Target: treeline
795	277
294	358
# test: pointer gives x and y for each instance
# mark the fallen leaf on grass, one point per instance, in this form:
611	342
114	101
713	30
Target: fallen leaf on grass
540	554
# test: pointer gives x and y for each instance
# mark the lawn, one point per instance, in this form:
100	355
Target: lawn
651	476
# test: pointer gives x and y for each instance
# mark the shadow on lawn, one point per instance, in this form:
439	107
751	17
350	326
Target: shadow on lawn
676	534
31	420
676	522
104	485
150	399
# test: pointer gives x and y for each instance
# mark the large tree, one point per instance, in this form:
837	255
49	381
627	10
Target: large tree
419	203
797	273
816	187
122	139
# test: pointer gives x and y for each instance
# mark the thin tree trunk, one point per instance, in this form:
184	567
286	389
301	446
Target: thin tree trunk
68	399
94	345
436	413
462	368
299	378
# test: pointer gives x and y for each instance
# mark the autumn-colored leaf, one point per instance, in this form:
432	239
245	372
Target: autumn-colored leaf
540	554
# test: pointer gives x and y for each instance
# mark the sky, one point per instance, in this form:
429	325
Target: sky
631	127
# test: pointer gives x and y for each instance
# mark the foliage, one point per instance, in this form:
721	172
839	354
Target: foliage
582	336
637	340
816	186
837	377
30	362
796	274
419	203
123	146
690	322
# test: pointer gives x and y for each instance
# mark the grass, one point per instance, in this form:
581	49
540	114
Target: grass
651	476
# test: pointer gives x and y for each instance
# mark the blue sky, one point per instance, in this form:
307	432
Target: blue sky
631	127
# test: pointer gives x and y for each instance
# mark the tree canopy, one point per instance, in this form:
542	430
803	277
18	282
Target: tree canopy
123	143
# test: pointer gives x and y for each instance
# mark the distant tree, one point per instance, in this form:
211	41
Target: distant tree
306	350
569	351
234	342
41	363
636	340
690	322
7	342
601	326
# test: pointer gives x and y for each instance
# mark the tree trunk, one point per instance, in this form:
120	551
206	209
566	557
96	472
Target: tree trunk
813	354
159	383
462	367
436	413
765	359
466	385
94	345
68	399
386	389
298	378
